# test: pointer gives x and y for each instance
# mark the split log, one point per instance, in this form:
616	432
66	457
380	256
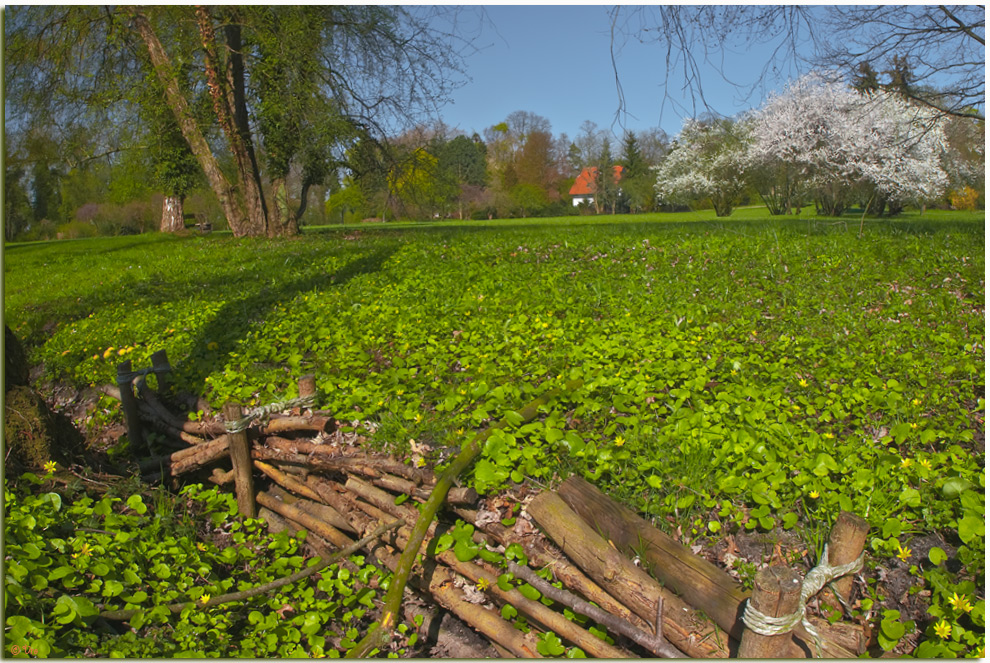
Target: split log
712	591
541	555
687	630
776	593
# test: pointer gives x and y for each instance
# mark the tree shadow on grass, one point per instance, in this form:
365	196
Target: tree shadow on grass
236	318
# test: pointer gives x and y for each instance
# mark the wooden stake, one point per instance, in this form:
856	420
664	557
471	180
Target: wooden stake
307	385
159	361
845	544
776	593
240	456
129	403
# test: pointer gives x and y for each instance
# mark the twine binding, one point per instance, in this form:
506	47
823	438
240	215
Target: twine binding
813	583
264	411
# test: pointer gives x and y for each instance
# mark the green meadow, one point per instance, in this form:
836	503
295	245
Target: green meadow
748	374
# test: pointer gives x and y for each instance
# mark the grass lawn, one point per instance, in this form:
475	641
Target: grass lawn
741	374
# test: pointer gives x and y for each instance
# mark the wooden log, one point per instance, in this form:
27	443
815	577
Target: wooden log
457	495
194	458
847	635
712	591
318	527
551	620
776	593
286	481
326	457
440	583
220	477
307	385
314	423
135	433
318	510
381	499
240	456
845	544
654	643
541	555
687	630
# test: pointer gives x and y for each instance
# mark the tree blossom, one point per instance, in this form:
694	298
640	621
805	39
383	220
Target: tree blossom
705	162
821	138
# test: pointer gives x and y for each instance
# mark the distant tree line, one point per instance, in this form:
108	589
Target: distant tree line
838	145
261	119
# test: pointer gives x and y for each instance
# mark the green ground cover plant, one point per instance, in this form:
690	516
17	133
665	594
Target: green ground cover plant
747	374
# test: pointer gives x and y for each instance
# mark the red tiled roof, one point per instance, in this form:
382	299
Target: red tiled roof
585	185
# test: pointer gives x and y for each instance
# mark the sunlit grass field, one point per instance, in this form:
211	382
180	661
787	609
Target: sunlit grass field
740	373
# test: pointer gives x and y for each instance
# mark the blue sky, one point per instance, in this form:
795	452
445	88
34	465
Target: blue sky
555	61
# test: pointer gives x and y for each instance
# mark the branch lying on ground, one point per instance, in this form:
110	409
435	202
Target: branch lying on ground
124	615
654	643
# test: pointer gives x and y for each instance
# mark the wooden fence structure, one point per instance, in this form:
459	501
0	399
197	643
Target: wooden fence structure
296	470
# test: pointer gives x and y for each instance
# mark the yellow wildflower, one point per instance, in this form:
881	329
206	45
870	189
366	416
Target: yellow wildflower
483	584
960	603
204	599
50	467
212	345
903	553
201	546
914	426
85	551
814	495
925	463
108	352
803	382
916	402
619	441
942	629
906	463
419	418
828	436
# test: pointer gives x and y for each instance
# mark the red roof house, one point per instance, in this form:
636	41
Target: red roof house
585	186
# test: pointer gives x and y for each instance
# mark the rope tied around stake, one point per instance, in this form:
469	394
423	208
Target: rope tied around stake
813	583
127	378
264	411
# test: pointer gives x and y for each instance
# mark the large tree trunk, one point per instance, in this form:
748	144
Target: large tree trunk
172	216
232	207
227	93
286	222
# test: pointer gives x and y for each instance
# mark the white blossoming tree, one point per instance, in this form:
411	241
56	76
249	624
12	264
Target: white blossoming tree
705	162
822	139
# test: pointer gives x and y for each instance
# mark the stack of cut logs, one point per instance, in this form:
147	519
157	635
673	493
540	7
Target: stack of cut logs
653	595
